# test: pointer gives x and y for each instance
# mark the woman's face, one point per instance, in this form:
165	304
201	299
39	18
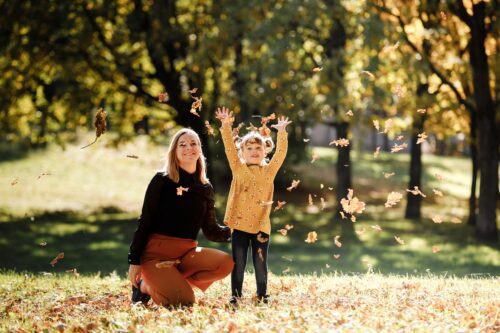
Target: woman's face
188	150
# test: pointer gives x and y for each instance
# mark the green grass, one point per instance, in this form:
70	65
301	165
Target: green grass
88	205
299	303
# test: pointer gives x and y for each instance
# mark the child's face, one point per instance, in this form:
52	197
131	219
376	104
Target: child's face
253	153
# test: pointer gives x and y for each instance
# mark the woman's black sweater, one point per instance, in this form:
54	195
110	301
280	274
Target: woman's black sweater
164	212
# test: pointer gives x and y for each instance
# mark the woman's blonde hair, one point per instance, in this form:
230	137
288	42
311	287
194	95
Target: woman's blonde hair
255	137
171	168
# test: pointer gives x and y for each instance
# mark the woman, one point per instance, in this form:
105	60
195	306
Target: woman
165	262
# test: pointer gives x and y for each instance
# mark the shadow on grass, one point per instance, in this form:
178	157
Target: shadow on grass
100	241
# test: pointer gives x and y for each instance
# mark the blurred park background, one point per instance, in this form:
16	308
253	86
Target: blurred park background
382	74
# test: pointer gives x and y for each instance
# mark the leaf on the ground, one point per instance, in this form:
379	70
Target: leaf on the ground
342	142
311	237
261	239
181	189
57	258
416	191
399	240
337	242
393	198
279	205
295	183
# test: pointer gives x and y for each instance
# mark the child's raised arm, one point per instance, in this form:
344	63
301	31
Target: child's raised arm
281	145
226	118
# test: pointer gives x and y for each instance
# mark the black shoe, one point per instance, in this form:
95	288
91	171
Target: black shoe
263	299
137	296
233	301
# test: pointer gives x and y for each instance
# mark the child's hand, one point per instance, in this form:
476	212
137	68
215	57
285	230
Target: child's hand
282	123
225	116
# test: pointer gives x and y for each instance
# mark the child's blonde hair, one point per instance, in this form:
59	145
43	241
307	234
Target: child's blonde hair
254	137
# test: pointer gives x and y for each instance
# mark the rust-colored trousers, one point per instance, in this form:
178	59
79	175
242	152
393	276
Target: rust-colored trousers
198	267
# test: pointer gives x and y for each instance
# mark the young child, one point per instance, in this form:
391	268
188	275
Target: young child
250	199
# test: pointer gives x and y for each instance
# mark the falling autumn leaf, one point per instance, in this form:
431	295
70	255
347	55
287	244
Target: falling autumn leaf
193	91
456	220
310	200
399	240
295	183
327	266
421	138
133	156
317	69
388	175
43	244
336	256
361	231
342	142
376	227
210	129
399	138
279	205
397	147
390	48
196	105
56	259
261	257
74	271
376	153
352	205
349	113
323	204
15	181
311	237
438	193
99	124
181	189
435	249
261	239
422	111
439	177
376	123
287	270
337	242
314	158
163	97
388	125
167	263
393	198
306	140
330	188
367	73
342	215
437	219
416	191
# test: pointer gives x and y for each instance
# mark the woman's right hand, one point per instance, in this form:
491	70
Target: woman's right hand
134	274
225	116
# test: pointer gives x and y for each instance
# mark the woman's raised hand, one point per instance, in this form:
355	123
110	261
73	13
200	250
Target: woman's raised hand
225	116
282	123
134	274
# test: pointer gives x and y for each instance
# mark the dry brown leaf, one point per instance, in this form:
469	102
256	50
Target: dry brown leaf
397	147
57	258
399	240
311	237
15	181
337	242
163	97
390	48
167	263
295	183
388	125
133	156
193	91
279	205
342	215
342	142
437	219
181	189
416	191
399	138
99	124
261	239
421	137
393	198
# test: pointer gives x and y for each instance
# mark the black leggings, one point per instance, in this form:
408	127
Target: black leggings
240	242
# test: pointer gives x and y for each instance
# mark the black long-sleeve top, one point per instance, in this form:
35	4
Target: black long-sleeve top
164	212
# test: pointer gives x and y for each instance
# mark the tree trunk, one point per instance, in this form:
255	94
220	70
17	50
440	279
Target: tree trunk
486	226
414	202
475	168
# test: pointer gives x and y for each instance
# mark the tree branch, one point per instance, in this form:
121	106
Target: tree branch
462	100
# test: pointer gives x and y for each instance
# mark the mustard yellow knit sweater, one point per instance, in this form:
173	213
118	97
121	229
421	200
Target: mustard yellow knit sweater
249	202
